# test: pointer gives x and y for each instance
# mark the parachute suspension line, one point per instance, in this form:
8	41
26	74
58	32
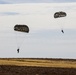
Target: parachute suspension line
19	39
63	23
22	39
16	38
60	22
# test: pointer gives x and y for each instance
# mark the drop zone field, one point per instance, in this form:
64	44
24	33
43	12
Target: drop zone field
39	62
37	66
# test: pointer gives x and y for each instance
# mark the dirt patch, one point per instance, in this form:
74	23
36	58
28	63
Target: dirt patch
37	66
27	70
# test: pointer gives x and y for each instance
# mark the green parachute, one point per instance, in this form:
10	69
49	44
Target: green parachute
60	14
21	28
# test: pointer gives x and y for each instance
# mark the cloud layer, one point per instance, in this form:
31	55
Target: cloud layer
8	13
33	1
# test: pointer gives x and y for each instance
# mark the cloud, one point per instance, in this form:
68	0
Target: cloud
33	1
3	2
9	13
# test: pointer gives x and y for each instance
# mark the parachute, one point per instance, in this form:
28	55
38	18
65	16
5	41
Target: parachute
20	31
21	28
59	14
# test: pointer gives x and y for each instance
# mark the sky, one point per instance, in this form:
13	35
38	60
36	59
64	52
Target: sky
33	1
44	39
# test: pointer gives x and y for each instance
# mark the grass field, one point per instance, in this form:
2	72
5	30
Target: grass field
63	63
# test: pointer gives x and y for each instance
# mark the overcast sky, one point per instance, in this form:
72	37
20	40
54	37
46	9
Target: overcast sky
44	39
33	1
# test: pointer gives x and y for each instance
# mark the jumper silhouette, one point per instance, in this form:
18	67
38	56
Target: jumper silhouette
62	31
18	50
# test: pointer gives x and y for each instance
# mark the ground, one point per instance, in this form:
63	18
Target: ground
35	66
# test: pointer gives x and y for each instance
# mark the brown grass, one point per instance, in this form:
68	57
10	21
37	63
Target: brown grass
39	62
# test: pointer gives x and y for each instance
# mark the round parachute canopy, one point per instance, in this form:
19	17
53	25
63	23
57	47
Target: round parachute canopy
59	14
21	28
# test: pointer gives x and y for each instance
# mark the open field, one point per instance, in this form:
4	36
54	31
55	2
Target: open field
37	66
63	63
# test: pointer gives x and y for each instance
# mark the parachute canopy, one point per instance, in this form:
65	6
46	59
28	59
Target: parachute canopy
21	28
59	14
